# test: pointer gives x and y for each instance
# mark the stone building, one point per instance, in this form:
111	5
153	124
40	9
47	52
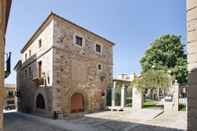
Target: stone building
10	102
192	66
64	69
4	15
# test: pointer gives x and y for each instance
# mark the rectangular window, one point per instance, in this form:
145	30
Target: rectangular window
40	43
30	72
98	48
25	56
48	78
79	40
29	53
40	69
25	73
99	67
10	94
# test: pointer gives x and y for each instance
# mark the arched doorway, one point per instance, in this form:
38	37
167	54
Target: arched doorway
40	103
77	103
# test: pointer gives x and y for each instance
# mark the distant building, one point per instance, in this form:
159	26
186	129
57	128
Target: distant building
5	6
64	69
10	97
126	77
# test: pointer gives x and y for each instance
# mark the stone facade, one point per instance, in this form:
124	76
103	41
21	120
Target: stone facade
68	68
4	14
192	66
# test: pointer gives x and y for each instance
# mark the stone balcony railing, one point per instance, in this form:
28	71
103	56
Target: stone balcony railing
39	80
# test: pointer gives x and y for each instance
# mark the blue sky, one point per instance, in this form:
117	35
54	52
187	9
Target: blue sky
131	24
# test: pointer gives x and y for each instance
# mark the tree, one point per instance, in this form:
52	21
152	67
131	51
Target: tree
167	53
152	79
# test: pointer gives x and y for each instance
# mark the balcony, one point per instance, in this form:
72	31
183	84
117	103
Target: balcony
39	80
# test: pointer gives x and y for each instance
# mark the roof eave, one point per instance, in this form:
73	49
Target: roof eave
7	13
48	18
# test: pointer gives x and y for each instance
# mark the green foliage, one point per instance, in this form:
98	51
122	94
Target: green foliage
148	103
167	53
182	107
152	79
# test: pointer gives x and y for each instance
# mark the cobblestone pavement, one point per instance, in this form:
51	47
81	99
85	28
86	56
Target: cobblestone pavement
104	121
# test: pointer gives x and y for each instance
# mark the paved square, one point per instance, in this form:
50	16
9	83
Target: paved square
103	121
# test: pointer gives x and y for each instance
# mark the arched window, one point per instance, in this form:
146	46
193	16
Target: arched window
40	103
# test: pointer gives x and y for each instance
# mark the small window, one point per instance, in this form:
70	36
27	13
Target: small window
40	69
99	67
98	48
10	94
30	72
29	53
48	79
25	56
25	73
79	40
40	43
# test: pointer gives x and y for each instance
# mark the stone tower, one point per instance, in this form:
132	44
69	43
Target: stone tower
64	69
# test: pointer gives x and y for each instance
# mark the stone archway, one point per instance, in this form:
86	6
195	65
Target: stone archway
77	103
40	102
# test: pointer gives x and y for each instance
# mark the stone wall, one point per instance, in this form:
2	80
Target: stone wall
192	66
25	78
4	14
75	68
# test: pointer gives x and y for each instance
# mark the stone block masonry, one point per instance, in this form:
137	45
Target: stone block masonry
77	65
192	63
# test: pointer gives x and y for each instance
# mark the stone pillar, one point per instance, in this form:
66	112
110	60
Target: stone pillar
123	96
192	63
113	94
171	103
176	96
137	99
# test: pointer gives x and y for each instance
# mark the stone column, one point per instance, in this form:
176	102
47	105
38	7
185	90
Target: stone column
113	94
176	96
171	103
123	96
137	99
